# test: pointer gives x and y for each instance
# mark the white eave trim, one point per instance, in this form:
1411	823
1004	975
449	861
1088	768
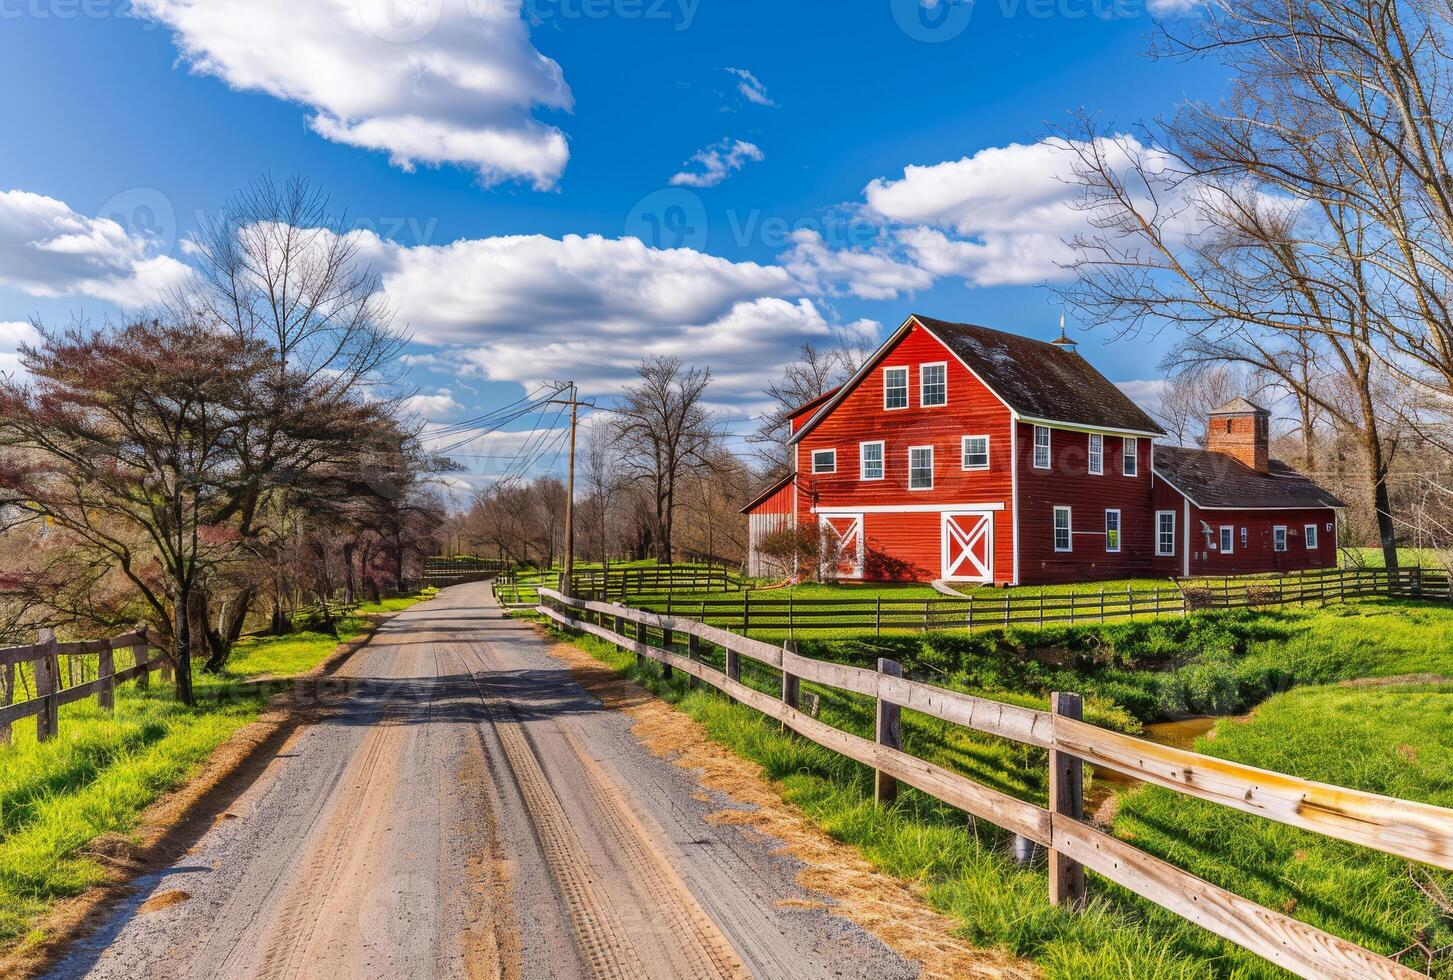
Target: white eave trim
905	509
1103	429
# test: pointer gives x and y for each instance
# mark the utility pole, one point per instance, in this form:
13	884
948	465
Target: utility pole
575	405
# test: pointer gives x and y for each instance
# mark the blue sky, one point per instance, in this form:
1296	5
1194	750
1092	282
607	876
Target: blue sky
480	144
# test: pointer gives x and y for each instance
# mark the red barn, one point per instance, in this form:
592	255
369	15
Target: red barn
970	455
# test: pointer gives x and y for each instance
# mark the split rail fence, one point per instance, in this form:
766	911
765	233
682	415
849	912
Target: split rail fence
1415	831
52	690
618	583
782	612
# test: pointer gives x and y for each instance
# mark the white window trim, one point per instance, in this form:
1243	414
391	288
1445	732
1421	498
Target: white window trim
1245	537
1285	539
925	367
863	460
1069	526
1225	530
1100	471
1311	536
818	472
931	464
1119	532
964	454
1160	551
1048	448
907	394
1128	443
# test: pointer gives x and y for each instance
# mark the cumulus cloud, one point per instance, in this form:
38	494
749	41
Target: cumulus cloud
435	406
49	250
755	92
586	308
427	82
1000	216
865	273
12	335
718	162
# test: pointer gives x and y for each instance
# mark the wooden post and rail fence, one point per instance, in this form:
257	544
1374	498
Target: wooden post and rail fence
54	689
1414	831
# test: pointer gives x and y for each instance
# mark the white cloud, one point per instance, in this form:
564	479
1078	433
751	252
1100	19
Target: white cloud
1147	393
429	81
868	274
12	335
49	250
1171	8
718	162
433	406
587	309
752	88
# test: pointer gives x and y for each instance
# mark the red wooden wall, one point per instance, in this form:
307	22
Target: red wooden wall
1257	556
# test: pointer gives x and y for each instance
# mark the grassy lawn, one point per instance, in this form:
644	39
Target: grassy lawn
95	779
1359	696
1407	558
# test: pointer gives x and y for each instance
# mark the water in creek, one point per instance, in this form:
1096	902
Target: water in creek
1180	734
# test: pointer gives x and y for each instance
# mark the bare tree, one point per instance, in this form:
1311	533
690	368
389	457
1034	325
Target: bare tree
665	431
813	374
1191	392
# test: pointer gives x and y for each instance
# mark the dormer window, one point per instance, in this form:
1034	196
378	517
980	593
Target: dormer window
933	385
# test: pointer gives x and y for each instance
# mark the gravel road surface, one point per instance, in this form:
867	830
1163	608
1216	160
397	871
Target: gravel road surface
464	809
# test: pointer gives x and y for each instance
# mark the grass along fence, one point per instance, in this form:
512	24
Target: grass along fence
783	613
1414	831
53	690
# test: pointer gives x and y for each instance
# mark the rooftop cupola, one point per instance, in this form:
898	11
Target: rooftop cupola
1065	341
1242	430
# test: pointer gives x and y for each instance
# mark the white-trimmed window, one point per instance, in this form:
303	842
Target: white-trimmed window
870	460
1165	533
824	461
1310	532
933	384
1041	447
1097	454
1063	532
1278	538
1228	539
1112	531
895	388
920	468
976	452
1130	456
1245	536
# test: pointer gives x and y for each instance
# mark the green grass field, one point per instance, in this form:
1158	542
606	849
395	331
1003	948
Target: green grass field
1359	696
57	798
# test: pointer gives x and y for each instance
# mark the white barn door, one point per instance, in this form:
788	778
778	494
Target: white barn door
968	547
847	531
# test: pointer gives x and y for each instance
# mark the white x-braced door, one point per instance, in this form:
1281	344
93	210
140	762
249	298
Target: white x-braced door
847	531
968	547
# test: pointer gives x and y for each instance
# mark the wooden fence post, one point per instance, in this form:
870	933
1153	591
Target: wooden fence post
747	613
693	650
640	638
106	674
791	683
878	615
7	698
142	653
1067	798
47	686
668	640
733	667
889	732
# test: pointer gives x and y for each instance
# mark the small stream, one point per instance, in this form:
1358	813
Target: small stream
1181	734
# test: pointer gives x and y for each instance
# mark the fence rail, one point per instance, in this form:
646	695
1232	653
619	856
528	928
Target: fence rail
618	583
52	692
783	612
1414	831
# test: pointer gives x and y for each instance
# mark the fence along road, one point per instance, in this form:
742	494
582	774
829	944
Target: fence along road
463	808
1415	831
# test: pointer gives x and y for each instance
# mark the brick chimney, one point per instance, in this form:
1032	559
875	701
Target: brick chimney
1242	431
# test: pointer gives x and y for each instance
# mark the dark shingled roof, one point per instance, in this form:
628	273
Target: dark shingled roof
1217	480
1040	380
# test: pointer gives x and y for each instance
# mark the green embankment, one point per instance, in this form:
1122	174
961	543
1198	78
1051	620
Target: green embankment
1359	696
95	779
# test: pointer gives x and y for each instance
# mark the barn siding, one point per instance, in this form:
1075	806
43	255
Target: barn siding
1068	483
1258	556
903	541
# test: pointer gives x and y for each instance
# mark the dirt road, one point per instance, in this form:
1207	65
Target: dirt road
466	810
